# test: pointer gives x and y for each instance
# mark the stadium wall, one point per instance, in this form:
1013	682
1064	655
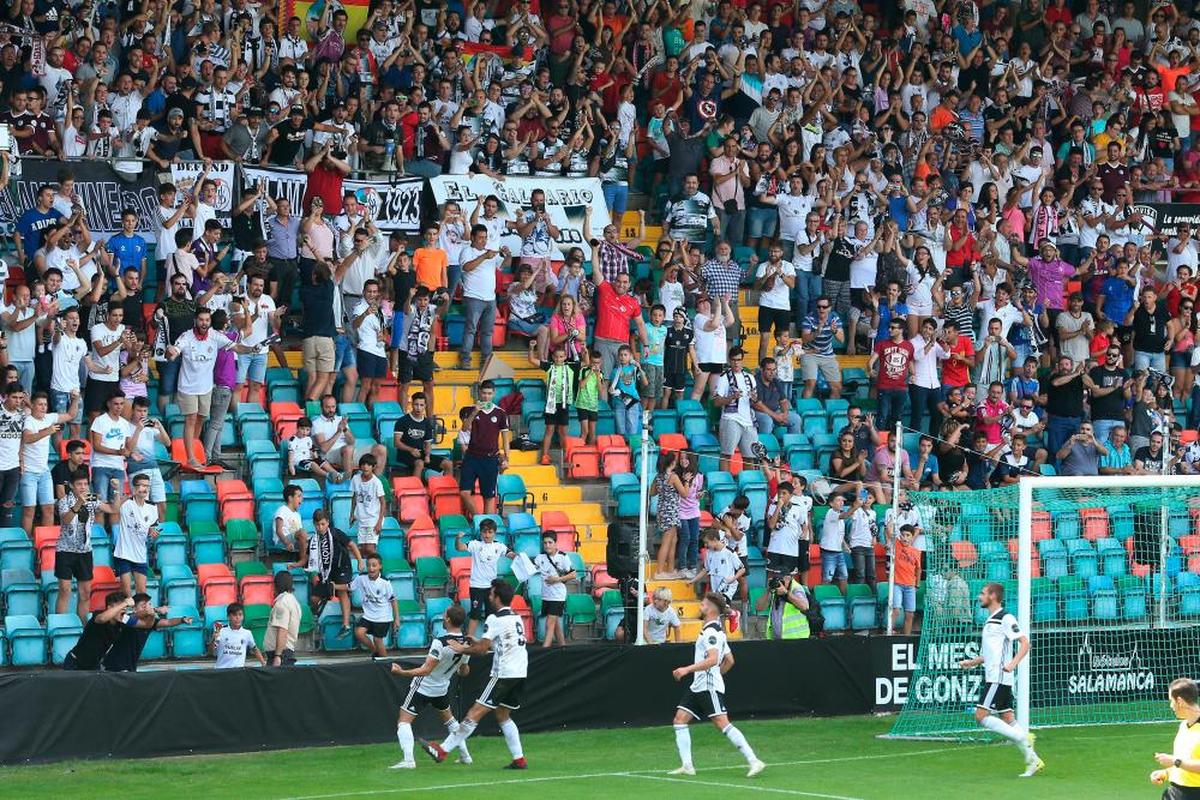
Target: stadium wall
52	716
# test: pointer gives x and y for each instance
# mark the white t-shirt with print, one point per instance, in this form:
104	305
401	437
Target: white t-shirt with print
113	434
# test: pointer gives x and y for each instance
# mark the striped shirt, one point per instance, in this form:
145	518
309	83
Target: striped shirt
822	341
963	316
614	259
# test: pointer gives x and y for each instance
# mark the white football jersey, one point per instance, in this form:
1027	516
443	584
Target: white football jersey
1000	634
232	646
485	561
506	632
712	637
437	683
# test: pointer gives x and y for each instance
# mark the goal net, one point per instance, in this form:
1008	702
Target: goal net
1103	574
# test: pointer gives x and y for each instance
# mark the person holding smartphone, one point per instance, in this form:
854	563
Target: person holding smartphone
37	487
144	458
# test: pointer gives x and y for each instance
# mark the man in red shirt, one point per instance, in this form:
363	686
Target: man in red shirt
665	85
956	369
894	359
615	307
991	412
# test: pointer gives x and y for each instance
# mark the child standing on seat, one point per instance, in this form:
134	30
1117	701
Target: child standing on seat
624	385
560	396
366	504
652	358
590	393
305	457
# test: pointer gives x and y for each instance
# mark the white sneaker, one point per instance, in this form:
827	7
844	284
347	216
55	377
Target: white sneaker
686	769
404	765
464	758
1033	768
756	767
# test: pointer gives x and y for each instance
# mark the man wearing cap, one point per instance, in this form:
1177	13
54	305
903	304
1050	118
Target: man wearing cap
1050	274
246	140
171	137
285	139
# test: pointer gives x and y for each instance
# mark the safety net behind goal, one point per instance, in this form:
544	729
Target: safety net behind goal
1115	602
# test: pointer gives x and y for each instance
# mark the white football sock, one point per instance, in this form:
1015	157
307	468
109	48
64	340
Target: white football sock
512	738
739	741
404	734
683	741
465	729
1014	733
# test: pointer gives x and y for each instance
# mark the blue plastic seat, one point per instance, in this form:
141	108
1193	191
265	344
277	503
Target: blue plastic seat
22	593
187	639
62	631
16	551
27	638
435	609
1105	599
178	584
413	631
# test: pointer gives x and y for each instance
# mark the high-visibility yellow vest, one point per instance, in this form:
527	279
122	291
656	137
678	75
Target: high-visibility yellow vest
795	623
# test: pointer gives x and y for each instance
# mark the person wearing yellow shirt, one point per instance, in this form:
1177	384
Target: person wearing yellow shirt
1181	767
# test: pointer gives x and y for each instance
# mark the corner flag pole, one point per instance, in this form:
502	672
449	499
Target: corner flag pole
643	524
891	619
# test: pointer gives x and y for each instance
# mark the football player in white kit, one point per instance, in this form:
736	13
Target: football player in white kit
1000	658
431	686
705	697
503	634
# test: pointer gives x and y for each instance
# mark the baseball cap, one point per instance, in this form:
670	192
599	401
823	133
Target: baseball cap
175	112
297	110
254	112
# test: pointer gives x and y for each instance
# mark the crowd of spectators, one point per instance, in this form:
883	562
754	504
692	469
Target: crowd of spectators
956	190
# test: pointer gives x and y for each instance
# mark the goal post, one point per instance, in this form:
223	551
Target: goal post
1102	572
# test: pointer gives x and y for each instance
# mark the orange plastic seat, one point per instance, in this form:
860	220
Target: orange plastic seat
1095	523
258	590
965	554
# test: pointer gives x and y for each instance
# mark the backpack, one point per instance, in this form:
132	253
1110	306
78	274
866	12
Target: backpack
816	619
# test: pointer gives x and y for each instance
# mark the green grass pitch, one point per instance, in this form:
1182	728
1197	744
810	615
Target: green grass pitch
839	759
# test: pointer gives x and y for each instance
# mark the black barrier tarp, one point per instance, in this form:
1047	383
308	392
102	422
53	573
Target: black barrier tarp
51	715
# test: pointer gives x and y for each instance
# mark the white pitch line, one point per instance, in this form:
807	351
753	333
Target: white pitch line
628	774
748	787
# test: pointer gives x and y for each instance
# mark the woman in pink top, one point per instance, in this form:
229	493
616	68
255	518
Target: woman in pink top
568	328
1013	213
316	234
135	367
687	556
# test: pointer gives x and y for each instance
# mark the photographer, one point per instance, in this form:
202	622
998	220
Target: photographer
1080	455
425	150
144	460
789	607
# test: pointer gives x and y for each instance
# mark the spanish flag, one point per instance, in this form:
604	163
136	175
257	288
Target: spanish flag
311	10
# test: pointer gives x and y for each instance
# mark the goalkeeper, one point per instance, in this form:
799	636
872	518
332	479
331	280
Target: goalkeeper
995	710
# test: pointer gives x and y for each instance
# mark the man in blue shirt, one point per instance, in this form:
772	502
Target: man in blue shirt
128	247
33	224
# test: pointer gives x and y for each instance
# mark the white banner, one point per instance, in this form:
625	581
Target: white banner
566	200
395	205
185	174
